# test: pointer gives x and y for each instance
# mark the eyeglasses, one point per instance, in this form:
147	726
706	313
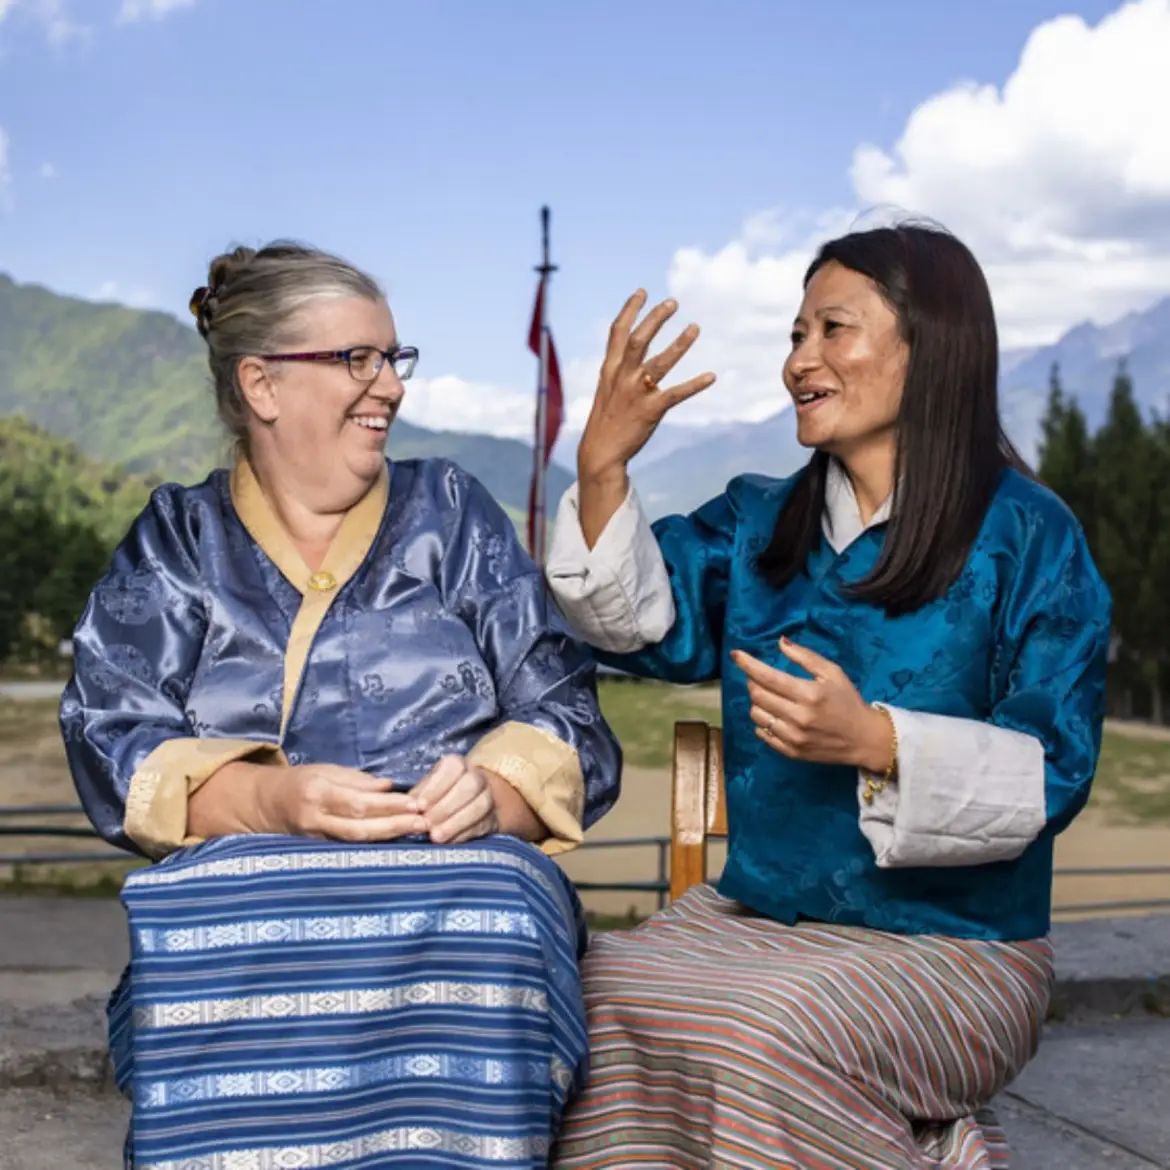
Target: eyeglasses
365	361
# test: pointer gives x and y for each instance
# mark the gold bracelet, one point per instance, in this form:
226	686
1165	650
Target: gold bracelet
876	784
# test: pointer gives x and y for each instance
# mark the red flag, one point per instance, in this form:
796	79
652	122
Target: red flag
550	408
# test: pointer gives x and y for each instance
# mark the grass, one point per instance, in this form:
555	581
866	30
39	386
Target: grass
1133	779
1133	776
83	880
642	715
602	922
1132	784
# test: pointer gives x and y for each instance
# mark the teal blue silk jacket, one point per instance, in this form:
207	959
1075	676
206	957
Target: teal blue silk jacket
1019	641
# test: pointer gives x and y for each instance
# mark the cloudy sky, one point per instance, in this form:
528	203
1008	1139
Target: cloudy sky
697	147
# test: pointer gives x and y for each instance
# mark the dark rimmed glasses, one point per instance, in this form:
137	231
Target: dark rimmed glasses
365	362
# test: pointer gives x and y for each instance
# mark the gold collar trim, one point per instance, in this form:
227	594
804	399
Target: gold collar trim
348	549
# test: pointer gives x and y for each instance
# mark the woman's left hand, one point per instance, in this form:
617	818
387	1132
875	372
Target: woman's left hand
823	719
457	802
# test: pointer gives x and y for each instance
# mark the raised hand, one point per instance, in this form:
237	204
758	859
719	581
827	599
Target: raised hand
629	403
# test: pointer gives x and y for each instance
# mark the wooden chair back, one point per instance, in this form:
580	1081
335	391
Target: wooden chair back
698	809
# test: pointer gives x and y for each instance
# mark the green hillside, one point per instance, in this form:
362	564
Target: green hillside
98	403
41	471
130	387
127	386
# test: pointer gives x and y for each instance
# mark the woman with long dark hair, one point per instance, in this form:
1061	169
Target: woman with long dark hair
911	637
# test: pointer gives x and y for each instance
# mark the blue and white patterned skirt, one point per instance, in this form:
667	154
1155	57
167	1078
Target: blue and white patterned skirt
301	1003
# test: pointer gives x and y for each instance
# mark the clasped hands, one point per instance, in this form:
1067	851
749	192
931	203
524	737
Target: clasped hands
822	719
452	804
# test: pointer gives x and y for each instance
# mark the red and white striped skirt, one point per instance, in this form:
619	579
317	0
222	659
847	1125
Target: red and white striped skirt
720	1038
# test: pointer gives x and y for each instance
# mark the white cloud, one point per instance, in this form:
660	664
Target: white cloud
450	402
52	15
58	23
743	297
1059	181
134	297
56	18
48	170
132	10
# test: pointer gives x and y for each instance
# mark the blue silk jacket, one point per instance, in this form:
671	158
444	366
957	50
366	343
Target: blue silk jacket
1019	641
429	629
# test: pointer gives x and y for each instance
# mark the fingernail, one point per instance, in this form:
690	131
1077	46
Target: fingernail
671	303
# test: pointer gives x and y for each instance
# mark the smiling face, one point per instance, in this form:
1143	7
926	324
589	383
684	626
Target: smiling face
319	427
847	366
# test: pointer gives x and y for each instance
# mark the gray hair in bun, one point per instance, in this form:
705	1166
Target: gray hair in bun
251	303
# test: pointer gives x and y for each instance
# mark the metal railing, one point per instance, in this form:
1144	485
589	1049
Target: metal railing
20	815
21	828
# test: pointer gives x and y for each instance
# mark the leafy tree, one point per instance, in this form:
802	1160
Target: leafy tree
60	516
1154	591
1127	520
1066	454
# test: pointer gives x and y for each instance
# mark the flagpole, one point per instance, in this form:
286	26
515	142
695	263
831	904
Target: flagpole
540	455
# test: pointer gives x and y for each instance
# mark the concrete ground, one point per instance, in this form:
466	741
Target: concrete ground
1097	1096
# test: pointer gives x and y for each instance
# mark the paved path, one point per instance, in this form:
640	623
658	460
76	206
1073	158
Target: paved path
25	691
1097	1097
47	1131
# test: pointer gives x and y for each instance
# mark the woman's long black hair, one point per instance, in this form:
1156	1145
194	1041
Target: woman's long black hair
951	447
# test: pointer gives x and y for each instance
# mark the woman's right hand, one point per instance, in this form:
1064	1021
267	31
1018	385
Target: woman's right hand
305	800
629	404
343	804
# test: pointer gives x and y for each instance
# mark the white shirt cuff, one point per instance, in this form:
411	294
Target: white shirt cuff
616	595
967	793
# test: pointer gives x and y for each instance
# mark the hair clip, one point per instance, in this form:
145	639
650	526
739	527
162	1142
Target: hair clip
198	300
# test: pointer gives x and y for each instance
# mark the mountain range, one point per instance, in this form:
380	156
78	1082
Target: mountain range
130	387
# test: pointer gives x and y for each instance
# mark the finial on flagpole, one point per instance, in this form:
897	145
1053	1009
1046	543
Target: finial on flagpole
544	268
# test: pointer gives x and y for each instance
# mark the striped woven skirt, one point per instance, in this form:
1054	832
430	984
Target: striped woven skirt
720	1038
300	1003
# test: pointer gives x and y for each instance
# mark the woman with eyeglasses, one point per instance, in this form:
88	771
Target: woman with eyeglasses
326	692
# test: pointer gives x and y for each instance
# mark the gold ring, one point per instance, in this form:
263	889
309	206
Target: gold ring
649	381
